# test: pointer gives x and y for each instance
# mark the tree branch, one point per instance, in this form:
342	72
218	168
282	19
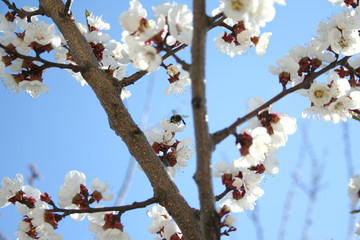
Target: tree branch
222	134
46	64
184	65
352	70
223	194
132	79
136	76
120	209
122	123
220	22
209	219
143	125
68	6
22	12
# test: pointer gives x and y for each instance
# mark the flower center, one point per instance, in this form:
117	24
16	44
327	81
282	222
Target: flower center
343	42
237	5
319	93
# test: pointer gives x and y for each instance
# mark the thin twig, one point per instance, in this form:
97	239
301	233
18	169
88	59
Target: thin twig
352	70
221	23
46	64
222	134
136	76
120	209
184	65
213	19
223	194
68	6
22	12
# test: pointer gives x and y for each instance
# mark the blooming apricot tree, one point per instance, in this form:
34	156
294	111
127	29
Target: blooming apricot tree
95	59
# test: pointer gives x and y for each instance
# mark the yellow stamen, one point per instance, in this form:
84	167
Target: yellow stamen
236	4
319	93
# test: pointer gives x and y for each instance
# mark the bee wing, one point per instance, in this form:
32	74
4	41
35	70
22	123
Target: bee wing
174	112
184	116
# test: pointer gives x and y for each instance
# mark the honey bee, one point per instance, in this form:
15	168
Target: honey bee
177	118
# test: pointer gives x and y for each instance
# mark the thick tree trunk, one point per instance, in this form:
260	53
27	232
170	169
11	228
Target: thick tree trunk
122	123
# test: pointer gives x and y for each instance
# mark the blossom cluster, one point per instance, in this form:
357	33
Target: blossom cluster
163	225
253	13
241	39
34	37
167	229
178	80
258	144
173	153
22	38
39	221
244	19
111	54
107	225
339	98
143	40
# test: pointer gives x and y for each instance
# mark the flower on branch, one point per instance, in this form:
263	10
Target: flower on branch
106	225
162	224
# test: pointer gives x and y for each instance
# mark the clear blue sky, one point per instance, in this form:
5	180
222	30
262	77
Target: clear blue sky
67	129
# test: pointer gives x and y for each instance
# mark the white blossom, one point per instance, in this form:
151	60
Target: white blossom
339	110
253	13
101	187
229	48
180	20
9	187
346	42
338	86
316	112
97	22
261	46
162	222
97	226
130	20
144	57
158	135
286	64
229	220
34	88
178	87
171	126
39	32
10	83
250	181
222	168
319	94
29	192
259	147
71	187
271	164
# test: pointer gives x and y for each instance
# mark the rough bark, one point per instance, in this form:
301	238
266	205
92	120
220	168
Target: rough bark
209	219
121	122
